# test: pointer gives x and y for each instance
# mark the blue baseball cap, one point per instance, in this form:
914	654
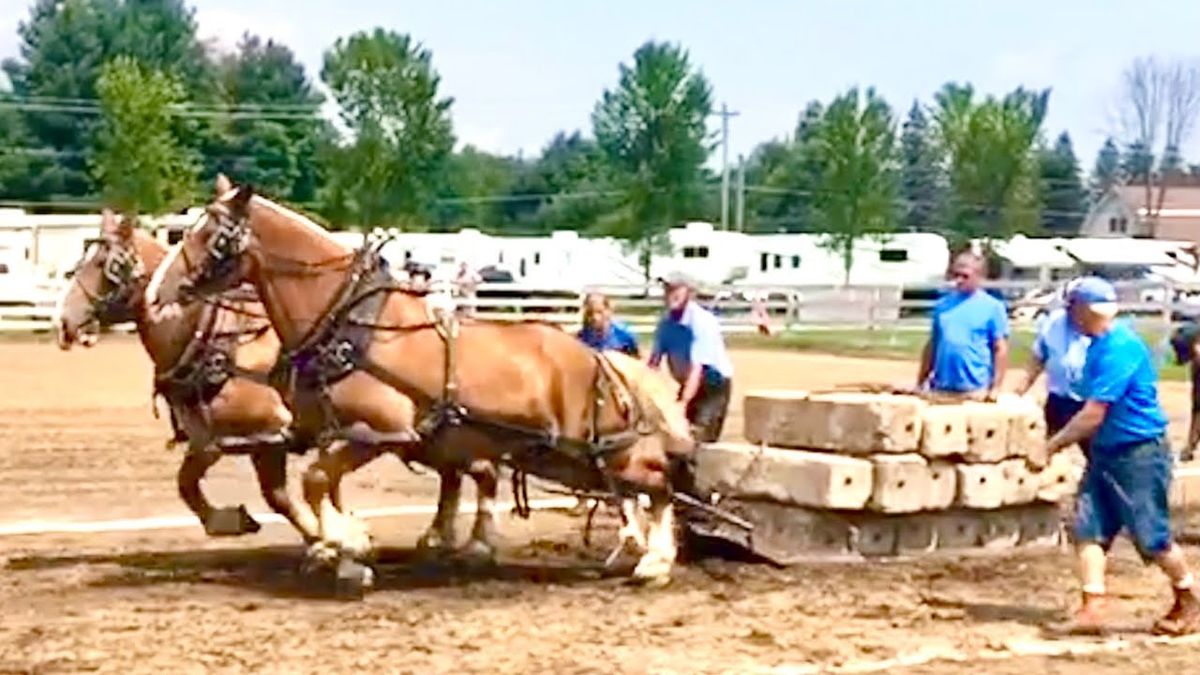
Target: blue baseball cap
1097	294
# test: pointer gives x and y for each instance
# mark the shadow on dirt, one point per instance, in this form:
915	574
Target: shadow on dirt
277	570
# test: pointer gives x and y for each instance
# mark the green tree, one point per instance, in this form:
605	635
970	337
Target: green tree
1064	199
387	89
142	167
921	183
1107	171
651	129
855	150
568	187
64	43
476	185
272	141
991	159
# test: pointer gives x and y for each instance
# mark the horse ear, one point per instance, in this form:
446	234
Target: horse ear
241	199
224	185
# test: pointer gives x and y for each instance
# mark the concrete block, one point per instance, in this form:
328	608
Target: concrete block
916	534
847	422
901	483
1000	529
1026	429
943	431
1022	484
785	476
987	432
1041	525
980	486
874	536
1060	479
943	486
957	530
1185	487
782	534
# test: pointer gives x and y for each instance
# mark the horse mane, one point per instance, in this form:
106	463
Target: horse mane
655	393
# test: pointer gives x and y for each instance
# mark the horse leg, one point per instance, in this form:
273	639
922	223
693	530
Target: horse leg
439	538
195	465
482	545
631	531
270	465
654	568
339	533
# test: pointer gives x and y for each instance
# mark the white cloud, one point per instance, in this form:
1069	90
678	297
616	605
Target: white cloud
223	27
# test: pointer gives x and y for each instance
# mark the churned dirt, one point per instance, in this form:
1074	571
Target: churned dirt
78	442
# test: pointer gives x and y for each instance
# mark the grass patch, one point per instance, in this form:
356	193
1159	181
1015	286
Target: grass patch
906	345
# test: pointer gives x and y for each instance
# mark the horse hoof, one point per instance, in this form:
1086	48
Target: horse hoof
652	572
230	521
431	546
320	556
353	580
479	553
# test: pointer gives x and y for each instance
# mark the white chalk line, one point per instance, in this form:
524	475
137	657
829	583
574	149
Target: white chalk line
29	527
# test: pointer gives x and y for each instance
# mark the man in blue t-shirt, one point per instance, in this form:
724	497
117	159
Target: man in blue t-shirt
690	338
601	331
967	351
1128	477
1060	351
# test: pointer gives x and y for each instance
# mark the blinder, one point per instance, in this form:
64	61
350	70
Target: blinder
229	241
122	269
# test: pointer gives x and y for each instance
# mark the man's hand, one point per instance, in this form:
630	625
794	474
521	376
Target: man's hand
991	396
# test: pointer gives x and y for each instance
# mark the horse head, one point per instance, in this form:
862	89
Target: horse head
212	257
106	283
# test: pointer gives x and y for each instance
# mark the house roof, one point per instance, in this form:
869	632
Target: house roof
1183	197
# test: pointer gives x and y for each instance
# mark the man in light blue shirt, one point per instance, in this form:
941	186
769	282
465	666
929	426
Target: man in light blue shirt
967	351
1128	477
1060	351
690	337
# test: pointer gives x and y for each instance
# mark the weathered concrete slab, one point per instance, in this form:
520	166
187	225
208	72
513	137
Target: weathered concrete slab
782	534
902	483
1185	487
916	534
846	422
980	486
1023	485
874	536
1041	525
1000	529
1060	479
943	486
1026	429
943	431
785	476
987	432
957	530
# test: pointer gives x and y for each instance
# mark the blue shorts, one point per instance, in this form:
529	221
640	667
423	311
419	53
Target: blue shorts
1127	488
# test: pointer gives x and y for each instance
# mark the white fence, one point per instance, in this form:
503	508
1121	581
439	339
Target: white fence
789	307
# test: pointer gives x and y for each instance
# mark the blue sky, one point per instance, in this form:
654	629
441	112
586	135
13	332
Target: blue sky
521	70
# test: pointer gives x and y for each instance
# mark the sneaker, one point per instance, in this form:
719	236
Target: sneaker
1183	617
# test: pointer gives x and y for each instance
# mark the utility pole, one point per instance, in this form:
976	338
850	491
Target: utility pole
740	212
725	114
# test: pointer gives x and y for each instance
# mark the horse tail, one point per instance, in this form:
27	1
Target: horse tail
656	397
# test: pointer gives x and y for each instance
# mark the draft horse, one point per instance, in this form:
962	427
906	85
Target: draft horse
376	368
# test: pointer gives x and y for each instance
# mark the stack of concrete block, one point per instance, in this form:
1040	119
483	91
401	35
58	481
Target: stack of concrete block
897	473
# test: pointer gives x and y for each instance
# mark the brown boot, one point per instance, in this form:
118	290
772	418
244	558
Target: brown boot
1184	616
1088	620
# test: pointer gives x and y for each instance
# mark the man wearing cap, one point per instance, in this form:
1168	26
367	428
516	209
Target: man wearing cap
967	351
691	339
1059	351
1128	476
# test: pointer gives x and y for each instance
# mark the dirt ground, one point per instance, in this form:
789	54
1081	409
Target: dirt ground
78	442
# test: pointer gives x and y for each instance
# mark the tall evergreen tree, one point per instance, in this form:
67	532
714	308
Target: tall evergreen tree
1107	171
1064	199
921	173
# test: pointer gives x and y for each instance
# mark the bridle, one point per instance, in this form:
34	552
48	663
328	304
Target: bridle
229	241
123	271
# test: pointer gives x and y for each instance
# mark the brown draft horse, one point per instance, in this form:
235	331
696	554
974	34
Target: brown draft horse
372	364
211	364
